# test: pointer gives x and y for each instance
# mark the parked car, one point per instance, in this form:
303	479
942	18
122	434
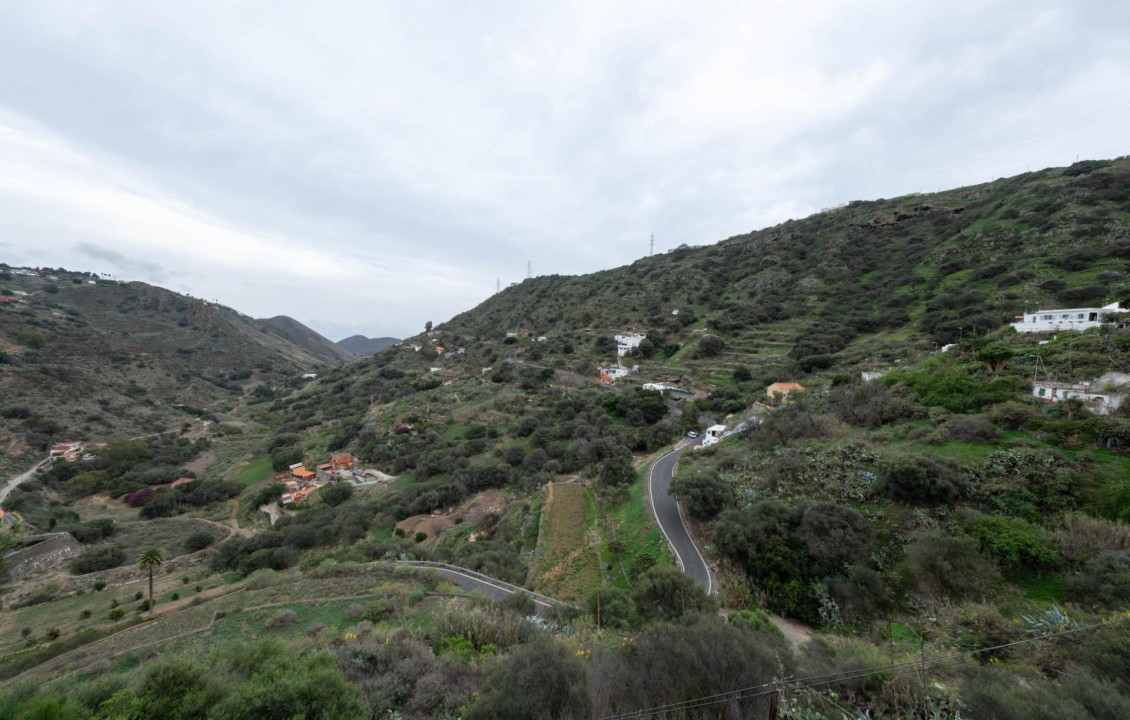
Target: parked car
692	434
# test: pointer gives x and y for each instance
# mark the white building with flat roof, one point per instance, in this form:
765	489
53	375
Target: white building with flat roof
713	434
624	343
1063	319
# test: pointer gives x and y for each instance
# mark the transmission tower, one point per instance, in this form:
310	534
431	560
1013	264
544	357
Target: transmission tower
651	249
529	270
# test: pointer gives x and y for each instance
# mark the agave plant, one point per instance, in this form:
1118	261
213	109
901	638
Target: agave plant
1052	620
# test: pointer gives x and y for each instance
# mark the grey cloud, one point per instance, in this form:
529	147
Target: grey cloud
123	264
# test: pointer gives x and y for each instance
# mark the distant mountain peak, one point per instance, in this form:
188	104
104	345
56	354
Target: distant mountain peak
364	346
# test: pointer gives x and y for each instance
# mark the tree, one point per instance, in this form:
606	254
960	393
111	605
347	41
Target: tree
149	560
540	679
428	326
666	592
704	492
710	346
335	494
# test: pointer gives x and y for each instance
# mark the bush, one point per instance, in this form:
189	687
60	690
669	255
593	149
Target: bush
102	557
710	346
520	603
335	493
541	679
117	614
284	620
30	339
971	429
666	592
947	566
921	479
1106	579
704	492
198	541
1013	542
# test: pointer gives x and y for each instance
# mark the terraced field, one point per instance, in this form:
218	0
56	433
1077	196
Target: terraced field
567	560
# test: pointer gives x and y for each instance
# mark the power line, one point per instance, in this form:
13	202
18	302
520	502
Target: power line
755	691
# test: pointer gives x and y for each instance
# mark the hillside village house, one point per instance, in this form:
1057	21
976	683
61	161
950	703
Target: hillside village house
782	391
624	343
713	435
1064	319
342	461
1102	396
69	451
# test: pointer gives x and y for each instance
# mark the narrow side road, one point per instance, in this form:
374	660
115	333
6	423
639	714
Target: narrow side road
15	482
670	518
493	588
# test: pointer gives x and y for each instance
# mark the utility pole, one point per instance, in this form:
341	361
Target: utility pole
498	285
529	270
651	250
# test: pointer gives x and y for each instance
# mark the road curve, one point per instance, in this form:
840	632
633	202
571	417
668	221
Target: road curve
670	518
493	588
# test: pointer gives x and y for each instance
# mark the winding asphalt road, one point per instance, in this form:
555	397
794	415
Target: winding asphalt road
670	518
493	588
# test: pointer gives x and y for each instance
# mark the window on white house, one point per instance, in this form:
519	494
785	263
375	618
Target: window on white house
1046	317
1043	392
1080	316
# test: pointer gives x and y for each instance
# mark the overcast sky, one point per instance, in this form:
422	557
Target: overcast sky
367	167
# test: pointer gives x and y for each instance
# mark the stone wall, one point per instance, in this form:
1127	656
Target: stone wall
45	552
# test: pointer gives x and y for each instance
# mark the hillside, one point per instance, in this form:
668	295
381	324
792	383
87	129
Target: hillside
82	358
364	347
918	270
929	540
303	337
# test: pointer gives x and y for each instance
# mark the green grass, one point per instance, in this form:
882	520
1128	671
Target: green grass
636	529
1041	587
255	472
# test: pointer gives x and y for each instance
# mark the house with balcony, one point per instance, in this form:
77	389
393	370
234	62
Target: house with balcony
1064	319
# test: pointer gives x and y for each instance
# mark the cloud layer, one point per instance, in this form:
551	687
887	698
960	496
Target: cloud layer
368	169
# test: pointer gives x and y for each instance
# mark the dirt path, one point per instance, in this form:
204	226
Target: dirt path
201	463
793	631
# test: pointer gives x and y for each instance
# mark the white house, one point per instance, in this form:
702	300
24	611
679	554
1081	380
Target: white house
615	372
624	343
1102	396
1064	319
713	434
869	375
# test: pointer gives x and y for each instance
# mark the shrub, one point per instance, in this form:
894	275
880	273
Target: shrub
947	566
520	603
336	493
1080	537
101	557
198	541
30	339
666	592
971	429
921	479
705	493
1013	542
539	679
379	610
421	537
1106	579
284	620
710	346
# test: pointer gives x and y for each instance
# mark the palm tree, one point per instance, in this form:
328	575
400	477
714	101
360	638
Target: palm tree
150	560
